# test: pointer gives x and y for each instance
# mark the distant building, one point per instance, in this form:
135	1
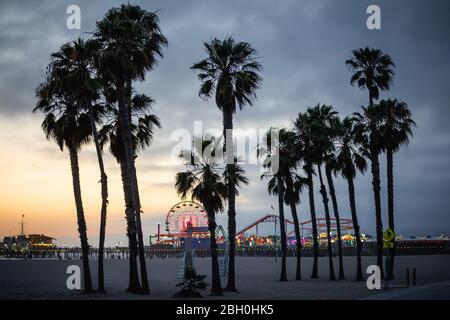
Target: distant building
28	242
31	241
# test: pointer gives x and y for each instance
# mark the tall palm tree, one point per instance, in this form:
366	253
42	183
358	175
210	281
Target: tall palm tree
368	134
396	130
204	180
285	183
69	128
230	74
142	130
320	119
294	185
131	42
74	71
349	157
330	167
373	70
309	155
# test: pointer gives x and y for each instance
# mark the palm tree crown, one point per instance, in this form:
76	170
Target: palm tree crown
132	41
372	70
142	126
230	72
204	178
349	155
397	126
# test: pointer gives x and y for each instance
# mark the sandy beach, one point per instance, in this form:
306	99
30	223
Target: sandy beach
257	278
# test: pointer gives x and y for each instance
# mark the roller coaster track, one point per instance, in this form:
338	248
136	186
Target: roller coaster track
345	223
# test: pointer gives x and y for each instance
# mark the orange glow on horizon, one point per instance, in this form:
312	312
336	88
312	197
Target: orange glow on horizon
36	181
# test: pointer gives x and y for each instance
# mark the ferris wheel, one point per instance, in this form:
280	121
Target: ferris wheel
183	215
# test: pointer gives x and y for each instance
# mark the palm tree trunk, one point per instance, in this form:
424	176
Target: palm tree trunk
323	191
133	284
375	168
390	196
124	121
298	270
312	209
229	156
338	221
283	276
104	193
351	194
216	287
82	230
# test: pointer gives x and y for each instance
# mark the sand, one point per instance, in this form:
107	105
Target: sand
257	278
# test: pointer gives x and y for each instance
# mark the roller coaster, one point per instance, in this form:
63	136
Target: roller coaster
193	214
305	226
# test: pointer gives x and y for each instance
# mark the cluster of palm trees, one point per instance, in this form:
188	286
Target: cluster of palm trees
319	143
319	139
87	95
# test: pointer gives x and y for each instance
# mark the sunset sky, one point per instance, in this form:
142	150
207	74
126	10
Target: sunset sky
302	45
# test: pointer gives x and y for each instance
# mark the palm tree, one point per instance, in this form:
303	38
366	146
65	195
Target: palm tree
302	131
368	134
204	180
396	130
373	70
320	119
330	166
349	158
142	130
230	74
131	42
294	185
73	70
285	183
69	128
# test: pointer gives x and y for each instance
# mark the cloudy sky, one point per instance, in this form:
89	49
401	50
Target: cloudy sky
302	45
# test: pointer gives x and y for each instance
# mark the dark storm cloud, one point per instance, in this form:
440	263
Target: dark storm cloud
303	46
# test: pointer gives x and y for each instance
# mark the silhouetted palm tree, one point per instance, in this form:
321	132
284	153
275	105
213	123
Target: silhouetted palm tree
142	130
204	181
349	157
373	70
284	182
131	42
396	130
71	129
230	74
320	119
309	155
276	186
294	185
368	134
207	182
73	70
330	167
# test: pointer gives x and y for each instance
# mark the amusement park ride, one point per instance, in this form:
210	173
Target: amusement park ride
189	215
